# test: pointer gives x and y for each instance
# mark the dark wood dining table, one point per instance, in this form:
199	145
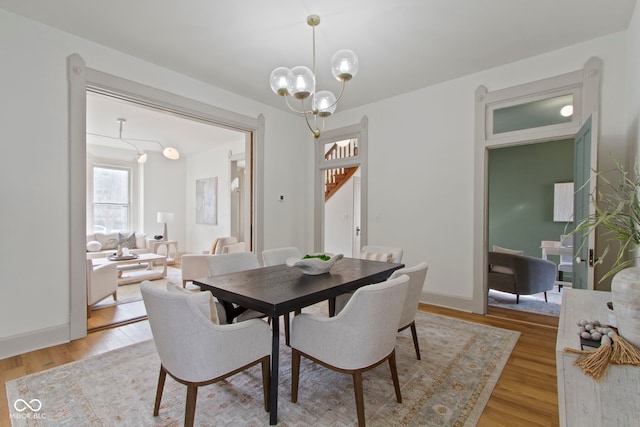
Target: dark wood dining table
278	290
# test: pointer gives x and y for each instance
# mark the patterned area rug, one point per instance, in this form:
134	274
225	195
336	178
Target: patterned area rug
530	303
461	363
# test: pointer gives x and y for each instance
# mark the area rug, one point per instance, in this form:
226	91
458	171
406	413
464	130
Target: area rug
529	303
450	386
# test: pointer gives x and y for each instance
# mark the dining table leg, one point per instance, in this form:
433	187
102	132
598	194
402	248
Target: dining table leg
275	355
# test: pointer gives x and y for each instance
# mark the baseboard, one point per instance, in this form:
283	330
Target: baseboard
456	303
35	340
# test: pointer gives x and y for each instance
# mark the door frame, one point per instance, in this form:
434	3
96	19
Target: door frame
80	78
359	131
583	83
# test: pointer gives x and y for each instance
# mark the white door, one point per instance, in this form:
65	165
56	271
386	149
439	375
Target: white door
585	163
356	230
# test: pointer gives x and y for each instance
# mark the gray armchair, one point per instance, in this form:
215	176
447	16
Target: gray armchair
520	274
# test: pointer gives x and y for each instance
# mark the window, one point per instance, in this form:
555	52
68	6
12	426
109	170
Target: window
111	200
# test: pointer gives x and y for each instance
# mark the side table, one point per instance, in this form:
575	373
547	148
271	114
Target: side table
169	248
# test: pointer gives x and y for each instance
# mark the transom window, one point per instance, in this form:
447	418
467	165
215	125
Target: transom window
111	198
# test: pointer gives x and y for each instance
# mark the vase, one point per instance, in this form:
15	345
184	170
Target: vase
625	294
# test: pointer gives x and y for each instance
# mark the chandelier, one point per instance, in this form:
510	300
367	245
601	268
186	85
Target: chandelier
300	83
169	152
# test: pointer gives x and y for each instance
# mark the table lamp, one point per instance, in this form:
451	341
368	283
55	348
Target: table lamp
165	217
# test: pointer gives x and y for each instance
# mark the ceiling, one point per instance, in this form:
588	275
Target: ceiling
402	45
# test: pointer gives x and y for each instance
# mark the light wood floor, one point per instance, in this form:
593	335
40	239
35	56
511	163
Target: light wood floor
525	395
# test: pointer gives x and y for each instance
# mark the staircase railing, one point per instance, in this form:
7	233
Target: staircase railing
336	177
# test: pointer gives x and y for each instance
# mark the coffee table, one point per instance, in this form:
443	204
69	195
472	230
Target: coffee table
149	274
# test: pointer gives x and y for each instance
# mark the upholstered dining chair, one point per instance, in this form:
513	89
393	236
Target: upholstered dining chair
233	263
102	281
278	256
373	253
195	351
359	338
417	275
381	253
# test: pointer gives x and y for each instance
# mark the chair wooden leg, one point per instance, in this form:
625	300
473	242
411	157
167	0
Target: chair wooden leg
517	299
357	388
545	296
295	374
394	375
161	378
414	333
266	381
190	411
287	326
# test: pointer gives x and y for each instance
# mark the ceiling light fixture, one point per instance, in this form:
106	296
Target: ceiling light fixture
169	152
300	83
566	111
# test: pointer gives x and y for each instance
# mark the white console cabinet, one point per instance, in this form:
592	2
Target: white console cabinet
615	400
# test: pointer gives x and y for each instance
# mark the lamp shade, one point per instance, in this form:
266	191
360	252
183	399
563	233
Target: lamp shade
300	82
344	65
165	216
325	103
278	80
171	153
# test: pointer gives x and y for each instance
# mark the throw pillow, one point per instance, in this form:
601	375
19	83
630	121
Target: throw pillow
499	268
94	246
107	240
127	240
204	301
373	256
141	240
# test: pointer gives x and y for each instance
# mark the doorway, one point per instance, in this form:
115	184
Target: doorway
340	190
583	86
81	78
155	184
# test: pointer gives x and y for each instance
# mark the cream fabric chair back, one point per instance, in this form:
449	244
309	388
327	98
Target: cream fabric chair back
232	263
196	353
363	333
278	256
381	253
417	275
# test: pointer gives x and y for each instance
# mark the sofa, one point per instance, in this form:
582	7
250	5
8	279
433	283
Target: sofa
101	245
520	274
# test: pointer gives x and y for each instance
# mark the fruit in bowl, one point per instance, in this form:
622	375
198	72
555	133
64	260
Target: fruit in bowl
314	264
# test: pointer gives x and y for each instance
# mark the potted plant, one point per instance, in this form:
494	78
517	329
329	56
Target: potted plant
617	214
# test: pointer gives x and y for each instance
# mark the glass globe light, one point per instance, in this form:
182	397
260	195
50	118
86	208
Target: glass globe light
344	65
325	103
300	82
171	153
278	80
142	158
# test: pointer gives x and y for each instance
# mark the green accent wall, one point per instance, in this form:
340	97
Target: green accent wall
521	180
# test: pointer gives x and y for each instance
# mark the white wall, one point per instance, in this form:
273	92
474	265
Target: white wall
421	158
208	164
420	163
34	296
